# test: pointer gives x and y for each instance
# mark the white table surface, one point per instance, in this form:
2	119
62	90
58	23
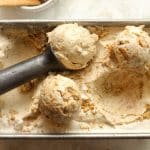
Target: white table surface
75	9
81	9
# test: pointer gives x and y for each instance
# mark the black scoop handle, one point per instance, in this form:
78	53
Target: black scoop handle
27	70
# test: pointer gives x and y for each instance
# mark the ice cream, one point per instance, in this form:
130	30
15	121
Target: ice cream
119	87
5	45
74	46
59	98
105	93
120	79
131	48
30	35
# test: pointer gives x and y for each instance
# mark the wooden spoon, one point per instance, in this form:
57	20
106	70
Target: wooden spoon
19	2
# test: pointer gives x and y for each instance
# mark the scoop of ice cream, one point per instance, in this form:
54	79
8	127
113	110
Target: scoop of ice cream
59	97
74	45
131	48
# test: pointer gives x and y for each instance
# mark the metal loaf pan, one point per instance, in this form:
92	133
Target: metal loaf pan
113	23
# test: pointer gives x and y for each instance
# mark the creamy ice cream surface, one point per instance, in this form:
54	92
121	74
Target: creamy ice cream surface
73	45
111	94
131	48
5	45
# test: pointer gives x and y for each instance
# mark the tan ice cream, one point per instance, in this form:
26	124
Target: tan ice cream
59	98
131	48
104	94
121	82
5	45
73	45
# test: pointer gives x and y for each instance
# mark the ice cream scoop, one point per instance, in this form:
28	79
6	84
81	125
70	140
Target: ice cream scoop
27	70
70	46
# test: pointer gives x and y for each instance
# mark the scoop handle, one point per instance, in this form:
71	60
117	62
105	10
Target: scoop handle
27	70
